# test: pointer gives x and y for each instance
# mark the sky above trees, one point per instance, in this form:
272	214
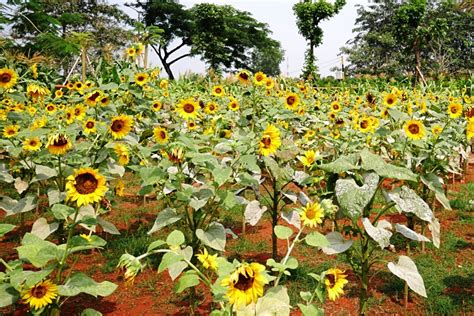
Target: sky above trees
281	20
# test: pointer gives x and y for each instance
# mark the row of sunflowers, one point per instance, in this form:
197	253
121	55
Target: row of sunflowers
275	149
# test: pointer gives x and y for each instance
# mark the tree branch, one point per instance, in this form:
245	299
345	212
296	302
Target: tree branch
176	48
180	57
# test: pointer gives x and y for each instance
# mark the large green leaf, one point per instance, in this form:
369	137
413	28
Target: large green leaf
316	239
81	283
43	229
380	233
406	270
337	243
187	280
214	237
435	184
45	172
354	198
5	176
376	163
8	295
221	174
165	217
253	212
408	201
37	251
5	228
342	164
12	207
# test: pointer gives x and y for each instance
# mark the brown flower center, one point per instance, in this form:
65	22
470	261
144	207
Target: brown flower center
259	78
332	280
5	78
290	100
454	109
244	283
188	108
141	78
244	76
50	108
11	131
60	141
77	112
414	128
364	124
94	96
390	101
86	183
117	125
39	291
163	135
218	90
311	213
266	140
90	124
33	143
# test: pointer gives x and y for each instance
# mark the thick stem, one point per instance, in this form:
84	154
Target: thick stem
364	290
68	243
274	220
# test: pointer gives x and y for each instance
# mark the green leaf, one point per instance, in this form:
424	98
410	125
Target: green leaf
6	228
169	259
8	295
155	244
214	237
435	184
81	283
406	270
409	202
275	302
107	226
197	204
381	234
187	280
316	239
376	163
250	163
5	176
37	251
45	172
54	196
42	229
342	164
61	211
354	198
283	232
24	279
13	207
175	238
337	244
311	310
90	312
165	217
253	212
221	175
115	168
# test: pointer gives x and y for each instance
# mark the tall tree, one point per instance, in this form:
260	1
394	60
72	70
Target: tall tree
309	14
223	37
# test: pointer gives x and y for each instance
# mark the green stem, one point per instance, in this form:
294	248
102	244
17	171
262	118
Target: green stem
68	243
287	256
386	208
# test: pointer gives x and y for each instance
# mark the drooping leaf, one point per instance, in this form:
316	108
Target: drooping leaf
165	217
187	280
214	237
6	228
408	233
292	218
380	234
337	243
408	201
342	164
81	283
406	270
435	184
42	229
253	212
8	295
316	239
354	198
376	163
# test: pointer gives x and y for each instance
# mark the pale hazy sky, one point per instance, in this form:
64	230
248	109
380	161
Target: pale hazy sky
278	14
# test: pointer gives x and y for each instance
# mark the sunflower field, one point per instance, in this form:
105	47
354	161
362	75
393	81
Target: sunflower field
249	194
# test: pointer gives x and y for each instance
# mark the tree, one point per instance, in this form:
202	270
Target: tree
309	14
224	38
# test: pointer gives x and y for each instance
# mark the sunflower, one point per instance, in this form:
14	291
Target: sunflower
335	280
218	91
390	99
36	91
176	155
245	284
120	126
225	133
436	130
208	261
122	153
269	83
312	214
414	129
40	295
188	109
92	98
141	78
85	186
384	113
131	52
38	123
211	108
243	76
364	124
70	116
161	135
79	112
104	101
70	85
156	106
470	130
336	106
270	141
10	131
164	84
233	104
89	126
309	134
79	86
259	78
8	78
455	110
58	144
50	108
309	158
370	99
32	144
31	110
292	100
191	125
119	188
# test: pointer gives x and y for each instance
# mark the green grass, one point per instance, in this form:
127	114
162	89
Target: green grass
464	199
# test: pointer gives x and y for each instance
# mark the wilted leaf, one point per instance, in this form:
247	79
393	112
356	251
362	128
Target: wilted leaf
354	198
81	283
406	270
214	237
409	202
253	212
408	233
337	244
42	229
292	218
379	234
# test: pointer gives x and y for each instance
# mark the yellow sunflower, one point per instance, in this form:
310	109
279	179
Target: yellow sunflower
336	106
211	108
131	52
269	83
8	78
455	110
161	135
233	104
89	126
70	115
335	280
10	131
218	91
312	214
156	106
292	100
50	108
244	76
122	153
36	91
85	186
79	86
308	158
436	130
141	78
32	144
164	84
390	100
191	125
470	130
309	134
259	78
245	284
119	188
58	144
188	109
270	141
92	98
208	261
120	126
364	124
80	112
40	295
414	129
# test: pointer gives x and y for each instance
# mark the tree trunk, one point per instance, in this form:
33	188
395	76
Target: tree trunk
168	70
